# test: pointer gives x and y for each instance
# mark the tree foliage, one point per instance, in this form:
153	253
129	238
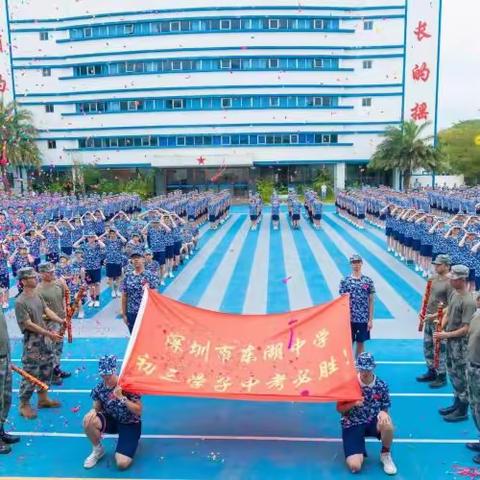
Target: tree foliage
463	153
17	137
405	147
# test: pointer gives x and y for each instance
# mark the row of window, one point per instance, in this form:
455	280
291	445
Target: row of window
205	103
206	64
155	141
205	25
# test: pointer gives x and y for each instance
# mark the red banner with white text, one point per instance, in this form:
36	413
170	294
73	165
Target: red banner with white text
303	356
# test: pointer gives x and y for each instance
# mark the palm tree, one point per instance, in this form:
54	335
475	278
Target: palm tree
405	148
17	140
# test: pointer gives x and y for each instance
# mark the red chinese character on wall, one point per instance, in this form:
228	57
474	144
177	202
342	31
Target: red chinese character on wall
420	111
421	31
421	72
3	85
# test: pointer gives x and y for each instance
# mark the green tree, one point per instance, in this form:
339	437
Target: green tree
406	148
323	177
17	139
265	189
461	144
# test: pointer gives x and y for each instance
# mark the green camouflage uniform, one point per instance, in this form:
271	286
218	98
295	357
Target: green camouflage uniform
37	357
53	295
461	308
5	371
440	292
473	368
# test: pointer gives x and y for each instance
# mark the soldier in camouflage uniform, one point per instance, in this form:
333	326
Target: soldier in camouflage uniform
5	386
439	293
461	308
37	357
473	375
52	292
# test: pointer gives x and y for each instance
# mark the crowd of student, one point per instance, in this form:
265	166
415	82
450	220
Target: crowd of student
81	235
421	224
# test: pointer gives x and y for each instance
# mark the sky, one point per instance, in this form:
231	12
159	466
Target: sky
459	97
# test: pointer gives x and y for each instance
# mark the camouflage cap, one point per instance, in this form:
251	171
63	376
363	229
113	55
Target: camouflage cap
27	272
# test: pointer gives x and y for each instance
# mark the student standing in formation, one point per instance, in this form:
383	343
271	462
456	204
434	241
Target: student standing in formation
253	211
296	210
275	211
114	243
317	207
362	295
132	288
92	256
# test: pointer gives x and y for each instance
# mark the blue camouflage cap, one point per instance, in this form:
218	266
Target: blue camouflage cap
365	362
107	365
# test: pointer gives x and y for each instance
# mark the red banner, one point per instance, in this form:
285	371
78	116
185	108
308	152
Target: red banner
303	356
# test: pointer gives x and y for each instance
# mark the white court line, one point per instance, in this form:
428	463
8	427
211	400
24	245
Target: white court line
253	438
218	283
408	395
381	362
256	295
417	282
298	293
183	280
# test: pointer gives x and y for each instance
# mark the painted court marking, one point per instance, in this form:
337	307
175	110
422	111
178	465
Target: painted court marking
250	438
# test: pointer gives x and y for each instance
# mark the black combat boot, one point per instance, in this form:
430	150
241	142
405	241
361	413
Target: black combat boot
4	448
459	414
473	446
439	382
429	376
450	409
7	438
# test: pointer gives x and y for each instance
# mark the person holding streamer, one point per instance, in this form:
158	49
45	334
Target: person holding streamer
439	293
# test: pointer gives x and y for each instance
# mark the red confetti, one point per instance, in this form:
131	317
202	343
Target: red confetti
290	340
285	280
75	409
469	472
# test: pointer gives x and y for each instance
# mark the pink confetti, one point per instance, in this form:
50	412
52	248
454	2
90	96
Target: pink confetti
75	409
285	280
469	472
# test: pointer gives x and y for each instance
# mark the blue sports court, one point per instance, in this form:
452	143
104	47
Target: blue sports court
263	271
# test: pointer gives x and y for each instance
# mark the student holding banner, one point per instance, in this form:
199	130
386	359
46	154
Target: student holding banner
367	418
113	412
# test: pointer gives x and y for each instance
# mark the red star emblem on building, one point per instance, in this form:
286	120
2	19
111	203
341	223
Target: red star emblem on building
201	160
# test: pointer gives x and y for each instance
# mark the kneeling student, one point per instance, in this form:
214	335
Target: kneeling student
367	418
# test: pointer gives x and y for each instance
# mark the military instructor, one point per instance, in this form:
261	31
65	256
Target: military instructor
5	387
38	342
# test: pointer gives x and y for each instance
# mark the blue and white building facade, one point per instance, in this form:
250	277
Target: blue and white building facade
235	87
